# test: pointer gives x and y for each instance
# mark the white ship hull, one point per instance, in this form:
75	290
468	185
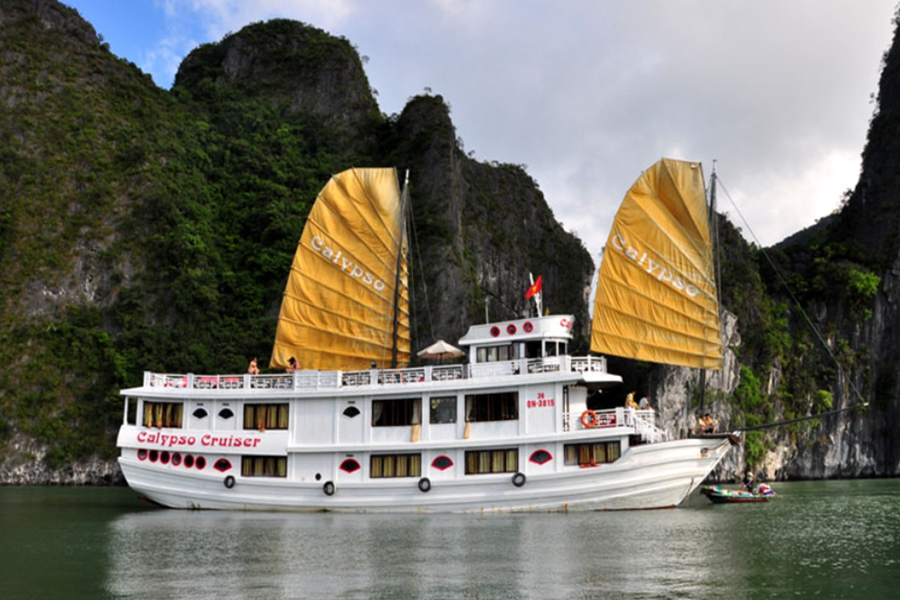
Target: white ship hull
650	476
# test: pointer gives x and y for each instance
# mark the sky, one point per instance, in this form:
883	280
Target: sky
588	93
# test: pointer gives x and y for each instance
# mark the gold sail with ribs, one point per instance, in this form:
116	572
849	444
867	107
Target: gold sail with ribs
656	294
346	303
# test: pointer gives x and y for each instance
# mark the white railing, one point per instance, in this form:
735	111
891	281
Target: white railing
642	421
318	380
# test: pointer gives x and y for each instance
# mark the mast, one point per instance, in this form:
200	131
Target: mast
402	234
714	235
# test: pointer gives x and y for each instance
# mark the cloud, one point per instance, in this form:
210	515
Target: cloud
588	94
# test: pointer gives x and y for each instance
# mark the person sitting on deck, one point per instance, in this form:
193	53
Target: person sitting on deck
706	425
253	369
293	365
645	404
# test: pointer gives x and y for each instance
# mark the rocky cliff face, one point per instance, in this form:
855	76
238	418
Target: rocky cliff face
145	229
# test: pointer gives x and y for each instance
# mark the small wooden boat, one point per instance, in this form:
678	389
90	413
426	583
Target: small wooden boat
720	495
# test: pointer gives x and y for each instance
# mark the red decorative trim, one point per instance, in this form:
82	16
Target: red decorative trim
446	459
511	329
350	465
528	327
540	457
222	465
495	331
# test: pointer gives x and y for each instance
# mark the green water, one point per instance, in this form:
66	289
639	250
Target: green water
818	540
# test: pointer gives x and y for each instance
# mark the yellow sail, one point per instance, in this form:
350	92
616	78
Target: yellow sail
345	304
656	295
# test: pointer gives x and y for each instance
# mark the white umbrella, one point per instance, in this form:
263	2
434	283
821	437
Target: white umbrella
440	350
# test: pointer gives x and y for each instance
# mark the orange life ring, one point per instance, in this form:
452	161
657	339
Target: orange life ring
589	419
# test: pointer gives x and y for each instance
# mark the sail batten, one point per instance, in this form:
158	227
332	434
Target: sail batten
348	279
656	294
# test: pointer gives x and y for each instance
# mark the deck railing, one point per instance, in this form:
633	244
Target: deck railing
317	380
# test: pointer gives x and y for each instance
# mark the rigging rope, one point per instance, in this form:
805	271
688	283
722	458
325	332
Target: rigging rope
851	384
415	242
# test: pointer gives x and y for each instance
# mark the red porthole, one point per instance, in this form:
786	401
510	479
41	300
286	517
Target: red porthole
189	461
200	463
164	457
176	459
154	456
350	465
540	457
222	465
142	454
495	331
528	327
511	329
442	462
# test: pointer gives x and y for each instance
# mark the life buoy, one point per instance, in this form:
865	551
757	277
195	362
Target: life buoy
229	482
589	419
424	485
518	479
328	488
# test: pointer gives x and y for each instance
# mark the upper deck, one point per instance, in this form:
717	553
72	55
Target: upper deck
589	369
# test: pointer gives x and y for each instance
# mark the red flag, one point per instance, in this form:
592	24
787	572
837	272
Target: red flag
535	288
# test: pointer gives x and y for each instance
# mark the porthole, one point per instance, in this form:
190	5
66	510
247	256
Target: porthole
154	456
528	327
164	457
200	413
176	459
495	331
222	465
226	413
511	329
350	465
442	462
142	454
540	457
351	411
200	463
189	461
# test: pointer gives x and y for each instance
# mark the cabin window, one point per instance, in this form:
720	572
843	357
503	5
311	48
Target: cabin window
395	465
495	353
502	460
222	465
534	349
350	465
396	413
163	414
351	411
200	413
442	462
226	413
502	406
550	349
264	466
585	455
265	416
443	410
540	457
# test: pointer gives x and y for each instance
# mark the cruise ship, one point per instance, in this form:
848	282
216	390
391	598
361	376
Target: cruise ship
350	427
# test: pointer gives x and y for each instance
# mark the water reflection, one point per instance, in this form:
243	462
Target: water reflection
208	555
826	539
